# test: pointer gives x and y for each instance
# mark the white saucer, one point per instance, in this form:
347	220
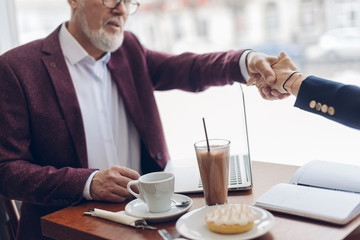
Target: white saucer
192	225
138	208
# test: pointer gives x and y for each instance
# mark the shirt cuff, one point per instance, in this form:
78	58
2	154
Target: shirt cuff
242	63
86	192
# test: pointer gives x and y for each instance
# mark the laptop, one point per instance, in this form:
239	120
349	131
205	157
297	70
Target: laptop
186	171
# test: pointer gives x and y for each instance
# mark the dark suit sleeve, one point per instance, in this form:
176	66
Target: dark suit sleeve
333	100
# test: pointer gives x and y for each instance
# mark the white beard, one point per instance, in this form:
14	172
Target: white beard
100	38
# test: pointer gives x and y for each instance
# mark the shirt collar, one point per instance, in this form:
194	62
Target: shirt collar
72	49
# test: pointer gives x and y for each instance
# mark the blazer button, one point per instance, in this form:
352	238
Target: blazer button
318	106
159	156
331	111
312	104
324	108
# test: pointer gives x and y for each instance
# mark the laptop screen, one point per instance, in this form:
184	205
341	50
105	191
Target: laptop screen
225	113
223	109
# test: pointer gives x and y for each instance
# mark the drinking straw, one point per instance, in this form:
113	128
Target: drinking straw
207	139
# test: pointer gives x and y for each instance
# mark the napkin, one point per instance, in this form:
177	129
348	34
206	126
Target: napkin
119	217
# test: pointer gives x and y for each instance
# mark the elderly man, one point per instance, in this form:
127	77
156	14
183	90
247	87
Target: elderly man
78	115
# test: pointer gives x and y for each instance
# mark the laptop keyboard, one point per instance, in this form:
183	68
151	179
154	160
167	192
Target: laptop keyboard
234	171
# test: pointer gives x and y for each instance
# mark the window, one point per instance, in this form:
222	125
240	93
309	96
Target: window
8	38
309	12
271	21
37	18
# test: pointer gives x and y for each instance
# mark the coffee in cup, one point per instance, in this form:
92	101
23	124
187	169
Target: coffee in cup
156	190
214	169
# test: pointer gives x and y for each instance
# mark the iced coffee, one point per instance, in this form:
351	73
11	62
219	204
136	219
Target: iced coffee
213	165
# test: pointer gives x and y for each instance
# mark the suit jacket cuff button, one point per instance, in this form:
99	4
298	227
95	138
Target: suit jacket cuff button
159	156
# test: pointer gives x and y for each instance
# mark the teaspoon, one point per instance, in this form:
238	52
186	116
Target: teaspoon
181	204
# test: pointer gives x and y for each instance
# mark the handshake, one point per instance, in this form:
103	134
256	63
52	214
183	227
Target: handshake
275	77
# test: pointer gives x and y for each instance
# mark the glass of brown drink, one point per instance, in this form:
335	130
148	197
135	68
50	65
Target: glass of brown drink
214	169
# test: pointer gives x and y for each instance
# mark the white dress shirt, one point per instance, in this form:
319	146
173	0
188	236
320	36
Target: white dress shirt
242	63
111	137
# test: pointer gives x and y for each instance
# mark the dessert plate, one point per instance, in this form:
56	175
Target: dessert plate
192	225
138	208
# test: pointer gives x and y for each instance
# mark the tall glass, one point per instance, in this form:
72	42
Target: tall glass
214	169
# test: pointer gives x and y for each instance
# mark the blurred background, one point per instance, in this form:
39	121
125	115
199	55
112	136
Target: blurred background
321	36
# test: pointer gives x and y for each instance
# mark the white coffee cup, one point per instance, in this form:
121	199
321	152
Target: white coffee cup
156	190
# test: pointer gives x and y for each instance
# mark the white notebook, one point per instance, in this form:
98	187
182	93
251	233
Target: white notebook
320	190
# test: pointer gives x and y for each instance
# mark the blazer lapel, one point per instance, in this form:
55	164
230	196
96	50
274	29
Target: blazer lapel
55	63
121	74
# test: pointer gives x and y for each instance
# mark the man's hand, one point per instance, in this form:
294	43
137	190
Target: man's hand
268	93
260	69
288	79
259	65
283	70
111	184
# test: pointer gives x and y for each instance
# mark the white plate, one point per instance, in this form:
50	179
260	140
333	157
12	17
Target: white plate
192	225
138	208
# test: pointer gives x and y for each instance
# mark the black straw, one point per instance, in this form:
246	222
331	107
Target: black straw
207	139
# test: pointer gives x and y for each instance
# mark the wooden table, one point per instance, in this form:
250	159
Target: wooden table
70	223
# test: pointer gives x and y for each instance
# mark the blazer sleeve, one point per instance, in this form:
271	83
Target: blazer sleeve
22	175
333	100
188	71
195	72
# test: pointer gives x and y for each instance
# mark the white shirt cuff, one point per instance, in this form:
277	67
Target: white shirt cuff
86	192
242	63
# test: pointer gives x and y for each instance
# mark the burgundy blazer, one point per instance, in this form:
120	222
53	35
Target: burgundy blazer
43	156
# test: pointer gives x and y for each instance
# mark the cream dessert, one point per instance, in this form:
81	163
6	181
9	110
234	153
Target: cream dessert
231	218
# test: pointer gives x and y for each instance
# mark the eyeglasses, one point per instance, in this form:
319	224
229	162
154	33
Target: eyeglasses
131	5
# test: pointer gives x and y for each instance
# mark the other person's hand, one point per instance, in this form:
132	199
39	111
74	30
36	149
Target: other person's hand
260	69
111	184
288	77
283	70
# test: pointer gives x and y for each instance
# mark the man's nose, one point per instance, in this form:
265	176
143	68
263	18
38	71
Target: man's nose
121	9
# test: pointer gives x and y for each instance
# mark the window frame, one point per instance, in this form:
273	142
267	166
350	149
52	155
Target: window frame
9	37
